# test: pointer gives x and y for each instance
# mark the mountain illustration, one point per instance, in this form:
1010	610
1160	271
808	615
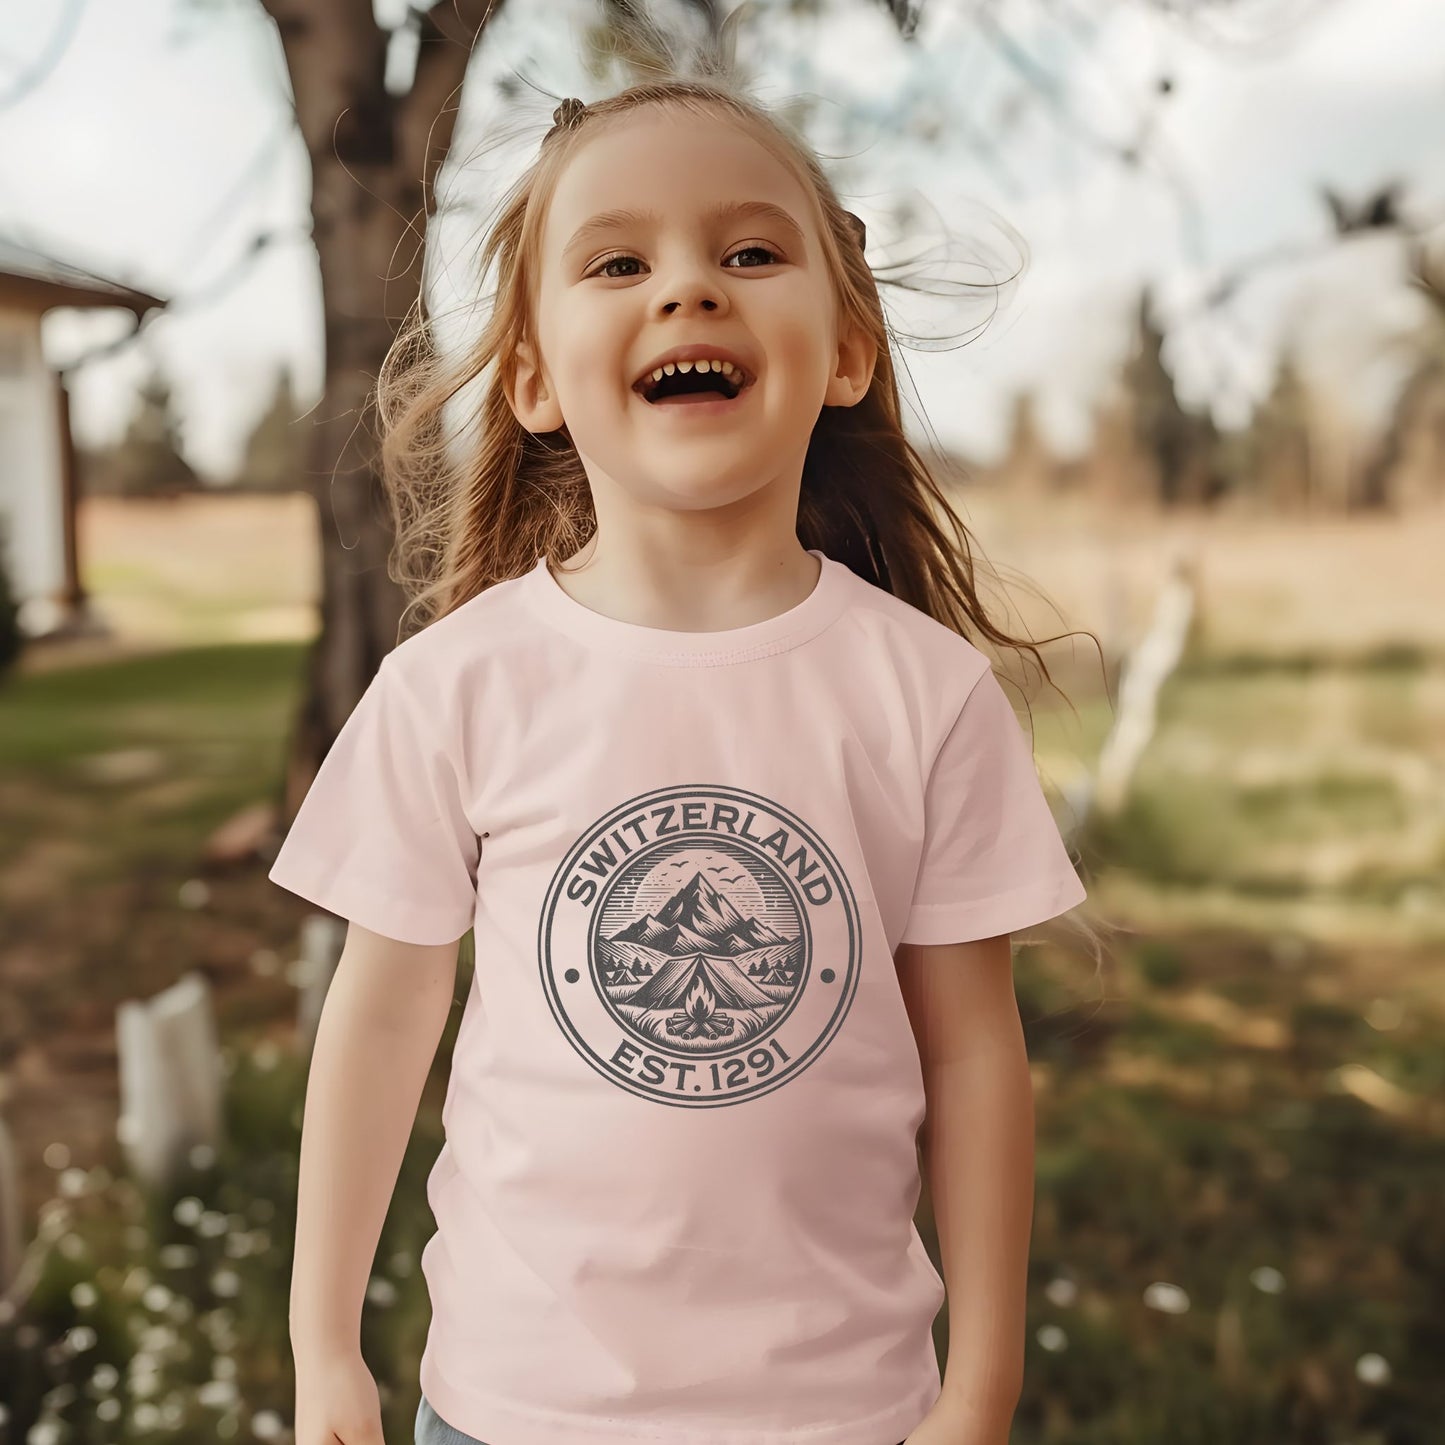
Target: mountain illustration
698	919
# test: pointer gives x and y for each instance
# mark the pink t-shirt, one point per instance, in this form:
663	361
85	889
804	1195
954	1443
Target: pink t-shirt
675	1203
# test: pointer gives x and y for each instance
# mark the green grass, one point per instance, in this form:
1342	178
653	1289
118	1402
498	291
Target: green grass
213	721
203	695
1286	784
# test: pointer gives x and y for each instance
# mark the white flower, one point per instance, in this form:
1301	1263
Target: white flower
1266	1279
156	1298
381	1291
1061	1291
188	1210
1373	1369
267	1425
226	1283
1169	1299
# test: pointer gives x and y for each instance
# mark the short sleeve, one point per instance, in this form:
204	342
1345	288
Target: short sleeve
382	837
993	860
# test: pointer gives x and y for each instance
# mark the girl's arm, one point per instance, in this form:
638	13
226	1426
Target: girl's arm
375	1041
978	1146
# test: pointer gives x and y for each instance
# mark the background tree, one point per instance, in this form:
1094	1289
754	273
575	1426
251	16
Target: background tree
375	153
275	458
1180	444
1276	450
1029	465
377	136
146	461
1408	464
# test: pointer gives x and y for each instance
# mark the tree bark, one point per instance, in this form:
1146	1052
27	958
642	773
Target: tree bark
374	162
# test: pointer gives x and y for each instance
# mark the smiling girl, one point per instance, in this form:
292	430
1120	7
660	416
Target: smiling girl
699	740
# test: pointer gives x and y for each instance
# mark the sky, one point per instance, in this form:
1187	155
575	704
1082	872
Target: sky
159	146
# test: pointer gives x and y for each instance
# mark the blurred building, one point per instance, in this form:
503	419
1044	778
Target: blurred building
37	450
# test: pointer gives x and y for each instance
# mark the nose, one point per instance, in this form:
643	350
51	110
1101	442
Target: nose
692	290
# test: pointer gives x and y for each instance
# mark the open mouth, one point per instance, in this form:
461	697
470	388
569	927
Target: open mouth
700	382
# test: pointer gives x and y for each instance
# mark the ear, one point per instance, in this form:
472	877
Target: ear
857	354
529	393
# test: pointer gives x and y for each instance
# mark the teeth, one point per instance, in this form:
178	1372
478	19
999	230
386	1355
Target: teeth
726	367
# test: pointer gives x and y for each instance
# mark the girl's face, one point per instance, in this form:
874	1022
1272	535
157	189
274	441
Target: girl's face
721	252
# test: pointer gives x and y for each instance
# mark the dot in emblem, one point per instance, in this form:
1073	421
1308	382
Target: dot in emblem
571	975
827	975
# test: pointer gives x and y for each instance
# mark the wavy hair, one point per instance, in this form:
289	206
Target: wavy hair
472	515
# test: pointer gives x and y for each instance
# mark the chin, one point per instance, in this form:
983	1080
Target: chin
704	493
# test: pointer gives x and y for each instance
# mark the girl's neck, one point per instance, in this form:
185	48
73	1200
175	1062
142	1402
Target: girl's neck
695	593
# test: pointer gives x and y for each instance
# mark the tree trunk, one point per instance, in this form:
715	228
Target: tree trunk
374	162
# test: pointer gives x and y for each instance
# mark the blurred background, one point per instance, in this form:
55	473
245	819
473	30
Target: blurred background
1185	378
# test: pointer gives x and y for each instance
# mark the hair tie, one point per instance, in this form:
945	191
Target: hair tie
859	229
568	114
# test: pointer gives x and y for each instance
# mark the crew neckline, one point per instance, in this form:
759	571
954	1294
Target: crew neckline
778	633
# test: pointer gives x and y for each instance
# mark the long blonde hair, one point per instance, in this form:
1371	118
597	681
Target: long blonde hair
468	517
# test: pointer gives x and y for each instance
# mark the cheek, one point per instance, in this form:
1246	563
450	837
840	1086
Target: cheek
594	351
799	358
795	328
573	342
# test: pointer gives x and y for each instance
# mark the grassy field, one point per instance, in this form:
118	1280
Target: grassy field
1241	1127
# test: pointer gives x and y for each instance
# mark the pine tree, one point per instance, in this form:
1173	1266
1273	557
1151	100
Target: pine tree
1029	466
1181	445
147	460
1279	449
275	455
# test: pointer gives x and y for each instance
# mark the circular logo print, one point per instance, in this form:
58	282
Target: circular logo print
699	946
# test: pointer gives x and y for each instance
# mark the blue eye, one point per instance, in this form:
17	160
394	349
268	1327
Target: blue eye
601	267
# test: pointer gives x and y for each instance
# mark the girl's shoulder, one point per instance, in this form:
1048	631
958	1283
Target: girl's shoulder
491	621
911	635
451	664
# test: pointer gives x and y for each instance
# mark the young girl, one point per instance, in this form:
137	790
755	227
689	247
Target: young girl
696	744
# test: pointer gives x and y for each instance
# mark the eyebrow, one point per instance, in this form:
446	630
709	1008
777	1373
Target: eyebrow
723	210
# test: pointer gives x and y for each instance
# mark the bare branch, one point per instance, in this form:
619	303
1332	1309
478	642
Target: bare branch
45	64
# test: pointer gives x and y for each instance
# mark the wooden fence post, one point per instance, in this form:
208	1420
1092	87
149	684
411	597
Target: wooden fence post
170	1078
1145	671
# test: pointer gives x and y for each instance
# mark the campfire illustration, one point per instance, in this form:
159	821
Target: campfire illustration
699	1017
